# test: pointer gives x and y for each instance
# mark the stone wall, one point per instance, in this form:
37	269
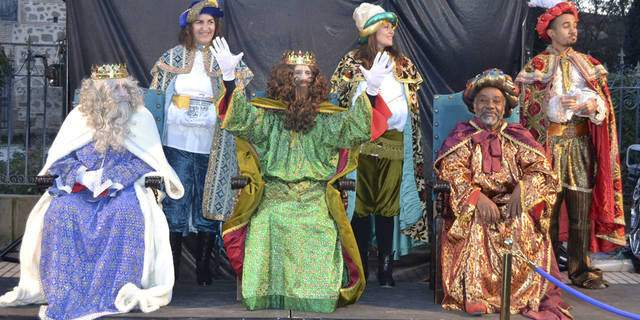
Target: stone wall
44	22
13	217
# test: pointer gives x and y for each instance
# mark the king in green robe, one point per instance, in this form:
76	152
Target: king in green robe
289	238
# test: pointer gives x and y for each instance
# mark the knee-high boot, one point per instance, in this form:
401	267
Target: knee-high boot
175	239
384	236
362	232
203	256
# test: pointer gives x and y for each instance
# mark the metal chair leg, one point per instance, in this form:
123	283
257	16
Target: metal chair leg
9	248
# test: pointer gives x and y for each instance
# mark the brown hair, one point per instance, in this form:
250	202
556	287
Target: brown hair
186	39
301	110
367	52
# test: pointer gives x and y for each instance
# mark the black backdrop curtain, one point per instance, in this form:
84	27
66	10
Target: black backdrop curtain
449	40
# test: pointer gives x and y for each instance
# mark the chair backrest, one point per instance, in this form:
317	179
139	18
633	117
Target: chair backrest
153	101
449	109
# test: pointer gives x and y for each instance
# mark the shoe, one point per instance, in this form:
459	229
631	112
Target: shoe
591	279
385	270
474	309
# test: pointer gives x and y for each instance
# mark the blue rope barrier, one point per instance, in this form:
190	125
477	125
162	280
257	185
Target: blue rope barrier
586	298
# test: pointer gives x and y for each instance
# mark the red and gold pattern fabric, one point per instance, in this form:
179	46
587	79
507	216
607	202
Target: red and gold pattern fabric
471	250
535	80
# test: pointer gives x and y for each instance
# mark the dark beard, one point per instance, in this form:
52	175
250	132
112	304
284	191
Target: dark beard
301	113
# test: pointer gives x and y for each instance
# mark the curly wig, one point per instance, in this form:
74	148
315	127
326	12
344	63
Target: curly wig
302	103
107	116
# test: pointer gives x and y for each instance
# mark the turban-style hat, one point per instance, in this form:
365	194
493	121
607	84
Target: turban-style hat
553	12
369	17
495	78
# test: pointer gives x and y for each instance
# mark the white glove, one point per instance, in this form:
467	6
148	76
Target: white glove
379	69
93	181
90	178
98	187
226	60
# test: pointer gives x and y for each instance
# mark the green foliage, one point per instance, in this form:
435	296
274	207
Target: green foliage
5	67
627	109
16	169
627	101
632	37
601	29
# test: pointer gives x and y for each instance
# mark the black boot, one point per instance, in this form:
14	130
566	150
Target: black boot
385	270
175	239
362	232
203	256
364	256
384	236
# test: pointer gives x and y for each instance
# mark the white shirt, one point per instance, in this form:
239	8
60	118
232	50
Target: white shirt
392	92
580	89
193	134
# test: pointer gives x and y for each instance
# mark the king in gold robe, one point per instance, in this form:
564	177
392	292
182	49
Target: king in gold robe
491	161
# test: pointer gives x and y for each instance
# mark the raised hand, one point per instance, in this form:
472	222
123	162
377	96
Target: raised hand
226	60
376	74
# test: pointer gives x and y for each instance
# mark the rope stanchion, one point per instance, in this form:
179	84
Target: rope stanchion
586	298
505	293
575	292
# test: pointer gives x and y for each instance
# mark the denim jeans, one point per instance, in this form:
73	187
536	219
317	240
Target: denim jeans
185	214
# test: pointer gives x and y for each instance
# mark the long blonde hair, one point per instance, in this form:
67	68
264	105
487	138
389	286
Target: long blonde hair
104	114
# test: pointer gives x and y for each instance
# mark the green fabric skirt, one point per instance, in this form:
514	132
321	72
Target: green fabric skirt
293	258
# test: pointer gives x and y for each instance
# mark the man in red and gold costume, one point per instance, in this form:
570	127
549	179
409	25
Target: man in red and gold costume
567	107
502	186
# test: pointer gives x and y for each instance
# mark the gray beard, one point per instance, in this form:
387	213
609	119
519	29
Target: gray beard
488	120
124	103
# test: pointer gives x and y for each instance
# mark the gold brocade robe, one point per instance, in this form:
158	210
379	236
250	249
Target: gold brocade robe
535	80
471	251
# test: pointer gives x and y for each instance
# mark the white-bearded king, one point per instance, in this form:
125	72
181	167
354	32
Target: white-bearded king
97	242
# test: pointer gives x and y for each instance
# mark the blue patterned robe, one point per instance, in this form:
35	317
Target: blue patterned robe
91	247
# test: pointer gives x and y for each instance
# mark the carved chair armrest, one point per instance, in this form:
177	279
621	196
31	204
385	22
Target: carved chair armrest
442	190
344	184
239	182
153	182
440	186
45	181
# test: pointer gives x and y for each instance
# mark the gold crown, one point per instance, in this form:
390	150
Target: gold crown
299	58
109	71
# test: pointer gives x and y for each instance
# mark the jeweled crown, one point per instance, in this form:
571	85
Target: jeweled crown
109	71
295	58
